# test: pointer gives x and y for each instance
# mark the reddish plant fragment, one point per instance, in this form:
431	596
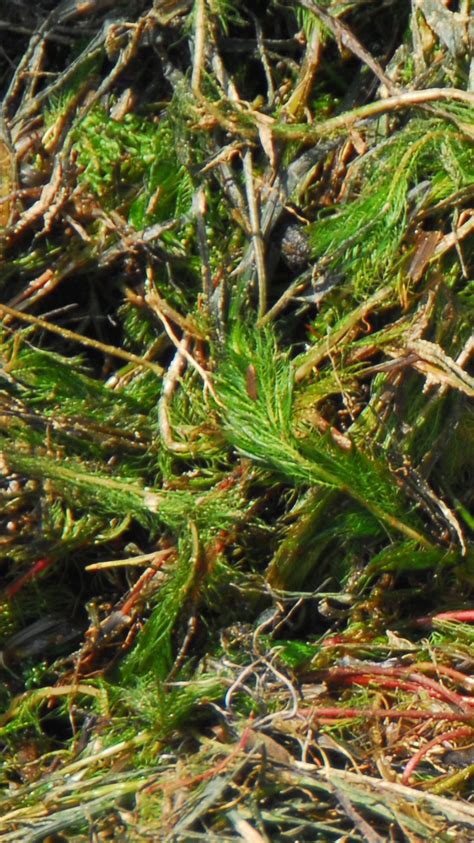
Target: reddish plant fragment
459	615
443	669
175	784
394	677
38	568
135	592
326	714
462	732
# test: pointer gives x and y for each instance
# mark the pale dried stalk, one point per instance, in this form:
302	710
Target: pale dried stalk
65	333
199	45
256	231
170	381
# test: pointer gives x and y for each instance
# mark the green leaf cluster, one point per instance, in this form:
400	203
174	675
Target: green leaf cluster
133	166
414	170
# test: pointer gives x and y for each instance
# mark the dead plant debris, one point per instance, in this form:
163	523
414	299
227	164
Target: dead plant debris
236	250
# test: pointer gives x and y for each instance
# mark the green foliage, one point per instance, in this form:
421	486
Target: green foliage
308	21
294	653
133	166
267	529
226	12
303	546
51	395
47	377
148	703
69	86
260	426
420	165
406	556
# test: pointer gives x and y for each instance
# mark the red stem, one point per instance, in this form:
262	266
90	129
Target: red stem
443	669
354	675
333	713
460	615
462	732
38	568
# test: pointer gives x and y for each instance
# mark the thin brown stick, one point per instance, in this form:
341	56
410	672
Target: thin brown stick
66	334
344	35
342	122
362	825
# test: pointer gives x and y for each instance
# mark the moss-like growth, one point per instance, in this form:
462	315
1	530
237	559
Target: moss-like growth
235	423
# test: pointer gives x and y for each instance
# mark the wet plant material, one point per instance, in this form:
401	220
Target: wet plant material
236	421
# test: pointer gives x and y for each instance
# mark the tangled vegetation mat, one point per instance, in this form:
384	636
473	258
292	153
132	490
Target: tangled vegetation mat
237	568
